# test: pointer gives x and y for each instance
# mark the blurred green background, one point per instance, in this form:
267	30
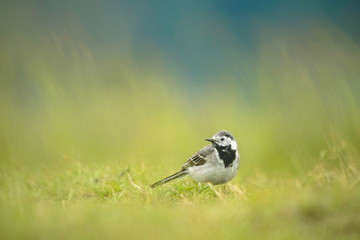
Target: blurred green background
134	81
140	84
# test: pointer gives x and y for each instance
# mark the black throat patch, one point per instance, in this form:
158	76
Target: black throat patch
227	154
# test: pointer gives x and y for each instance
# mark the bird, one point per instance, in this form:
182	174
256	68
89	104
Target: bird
216	163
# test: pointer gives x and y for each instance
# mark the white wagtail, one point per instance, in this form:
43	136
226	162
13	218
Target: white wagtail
217	163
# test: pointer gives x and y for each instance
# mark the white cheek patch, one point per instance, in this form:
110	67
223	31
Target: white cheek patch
225	142
233	145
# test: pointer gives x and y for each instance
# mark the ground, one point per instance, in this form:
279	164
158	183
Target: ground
92	201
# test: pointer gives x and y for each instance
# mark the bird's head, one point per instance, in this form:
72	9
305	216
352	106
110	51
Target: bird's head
223	139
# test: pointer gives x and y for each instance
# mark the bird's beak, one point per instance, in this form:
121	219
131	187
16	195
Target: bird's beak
210	140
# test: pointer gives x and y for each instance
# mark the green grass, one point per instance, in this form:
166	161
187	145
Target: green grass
86	128
102	201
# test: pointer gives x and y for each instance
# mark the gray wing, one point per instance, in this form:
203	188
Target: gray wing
198	158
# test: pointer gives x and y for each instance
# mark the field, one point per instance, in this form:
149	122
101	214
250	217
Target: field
110	201
86	127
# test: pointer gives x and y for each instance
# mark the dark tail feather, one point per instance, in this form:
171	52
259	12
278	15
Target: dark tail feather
170	178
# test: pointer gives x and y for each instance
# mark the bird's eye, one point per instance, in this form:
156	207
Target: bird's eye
222	139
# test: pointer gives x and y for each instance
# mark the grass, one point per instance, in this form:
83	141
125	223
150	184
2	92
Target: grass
102	201
86	128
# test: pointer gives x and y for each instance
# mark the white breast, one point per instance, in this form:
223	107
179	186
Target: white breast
213	170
